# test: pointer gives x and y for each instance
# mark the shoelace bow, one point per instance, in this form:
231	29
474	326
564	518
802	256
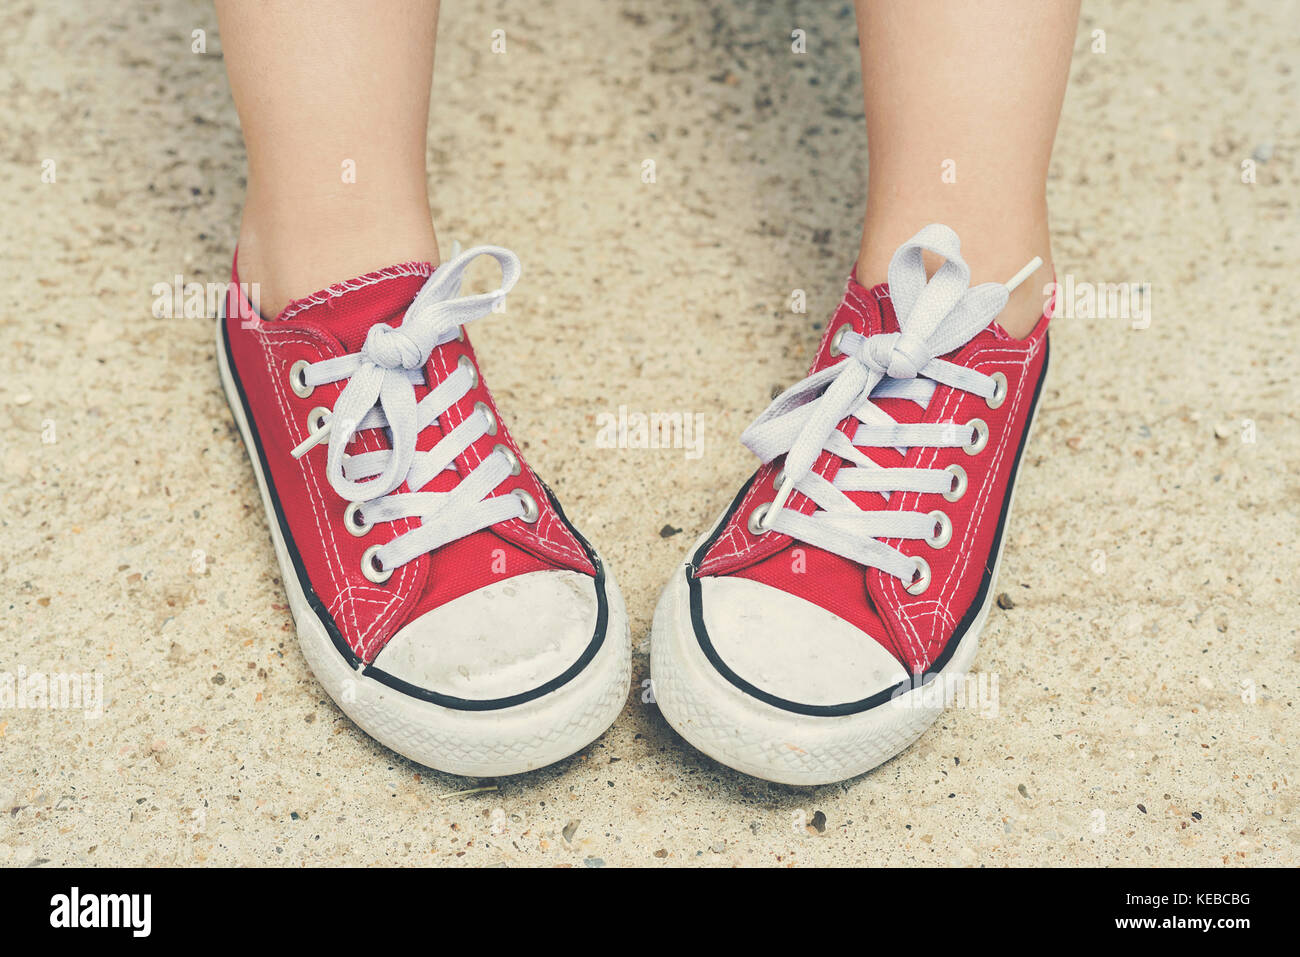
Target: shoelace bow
380	393
935	316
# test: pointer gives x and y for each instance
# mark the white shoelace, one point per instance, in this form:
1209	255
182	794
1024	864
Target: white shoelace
934	318
380	393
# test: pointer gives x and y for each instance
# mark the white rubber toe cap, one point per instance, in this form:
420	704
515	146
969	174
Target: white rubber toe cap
790	648
508	638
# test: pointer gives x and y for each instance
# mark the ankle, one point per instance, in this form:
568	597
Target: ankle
289	263
993	257
1027	303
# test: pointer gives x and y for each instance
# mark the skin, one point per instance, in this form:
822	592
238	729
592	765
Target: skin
973	88
979	84
316	83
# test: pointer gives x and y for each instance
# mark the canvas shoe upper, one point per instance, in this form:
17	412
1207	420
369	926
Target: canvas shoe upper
436	564
861	581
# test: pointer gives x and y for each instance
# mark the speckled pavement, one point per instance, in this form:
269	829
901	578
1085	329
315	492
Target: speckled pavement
1146	655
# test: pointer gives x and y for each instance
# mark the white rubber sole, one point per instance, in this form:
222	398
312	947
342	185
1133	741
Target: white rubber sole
493	743
771	743
774	744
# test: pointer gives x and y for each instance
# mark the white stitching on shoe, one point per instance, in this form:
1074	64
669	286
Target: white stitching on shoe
904	611
273	363
538	532
342	288
345	591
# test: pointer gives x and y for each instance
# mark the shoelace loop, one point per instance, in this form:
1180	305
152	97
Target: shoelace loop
380	393
936	315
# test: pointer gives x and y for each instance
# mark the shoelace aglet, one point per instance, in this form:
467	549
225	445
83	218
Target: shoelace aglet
309	443
1029	269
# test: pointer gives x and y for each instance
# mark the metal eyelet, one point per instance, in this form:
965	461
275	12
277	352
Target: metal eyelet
920	577
756	526
958	483
999	391
981	439
355	521
370	566
778	479
298	379
530	505
465	362
838	338
515	467
492	419
943	530
316	420
460	333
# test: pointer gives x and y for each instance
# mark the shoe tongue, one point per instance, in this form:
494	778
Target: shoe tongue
349	309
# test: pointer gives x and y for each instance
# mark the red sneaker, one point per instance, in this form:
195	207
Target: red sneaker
812	634
441	596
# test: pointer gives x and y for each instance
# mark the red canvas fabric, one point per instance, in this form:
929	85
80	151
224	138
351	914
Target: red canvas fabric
334	322
915	629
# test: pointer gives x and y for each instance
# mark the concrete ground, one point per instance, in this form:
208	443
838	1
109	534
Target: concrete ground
1146	673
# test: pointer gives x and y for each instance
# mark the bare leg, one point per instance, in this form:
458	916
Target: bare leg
334	103
962	102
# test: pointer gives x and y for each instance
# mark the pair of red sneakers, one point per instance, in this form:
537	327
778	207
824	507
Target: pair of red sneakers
450	608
